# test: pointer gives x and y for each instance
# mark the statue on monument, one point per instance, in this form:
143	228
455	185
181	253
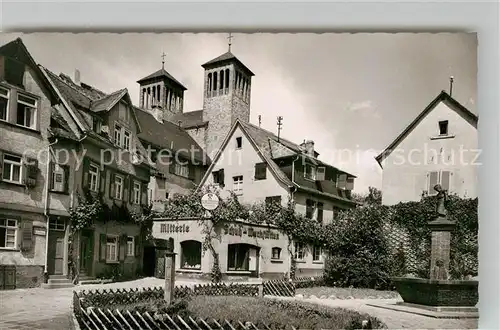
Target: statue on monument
441	198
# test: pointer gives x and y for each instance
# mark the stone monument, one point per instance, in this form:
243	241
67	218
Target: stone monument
439	292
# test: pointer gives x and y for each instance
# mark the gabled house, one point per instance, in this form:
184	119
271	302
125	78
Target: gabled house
440	146
26	103
260	167
97	155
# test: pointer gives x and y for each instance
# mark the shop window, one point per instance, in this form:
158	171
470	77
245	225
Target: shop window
191	255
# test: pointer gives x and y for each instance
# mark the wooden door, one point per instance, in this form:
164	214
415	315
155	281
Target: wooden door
85	253
56	252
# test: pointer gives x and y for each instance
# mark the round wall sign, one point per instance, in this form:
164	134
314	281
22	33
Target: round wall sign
210	201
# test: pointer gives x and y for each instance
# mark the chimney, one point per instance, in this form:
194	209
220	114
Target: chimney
77	77
308	147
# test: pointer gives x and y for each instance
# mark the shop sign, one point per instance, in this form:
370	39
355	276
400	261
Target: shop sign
170	228
252	232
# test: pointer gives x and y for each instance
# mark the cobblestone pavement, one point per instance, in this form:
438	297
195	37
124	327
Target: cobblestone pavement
51	308
394	319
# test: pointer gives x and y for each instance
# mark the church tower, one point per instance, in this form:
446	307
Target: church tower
161	94
226	97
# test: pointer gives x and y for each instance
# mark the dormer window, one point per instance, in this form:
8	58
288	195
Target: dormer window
118	135
443	127
122	137
238	142
26	111
4	103
96	125
310	172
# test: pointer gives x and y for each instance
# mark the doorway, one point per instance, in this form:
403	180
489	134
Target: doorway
57	231
149	261
86	259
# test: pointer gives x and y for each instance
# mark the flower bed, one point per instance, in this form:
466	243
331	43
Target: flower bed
346	293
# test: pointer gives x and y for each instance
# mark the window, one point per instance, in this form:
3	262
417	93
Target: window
118	135
8	233
238	257
260	171
191	255
57	224
272	203
4	104
59	178
218	177
320	173
299	251
310	172
118	187
96	125
182	170
137	193
317	251
238	184
443	127
276	253
319	214
26	111
238	142
438	177
111	249
166	195
126	140
310	208
12	168
94	177
130	246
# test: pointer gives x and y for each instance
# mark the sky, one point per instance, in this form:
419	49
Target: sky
349	93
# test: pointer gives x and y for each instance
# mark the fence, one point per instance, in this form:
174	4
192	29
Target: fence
99	319
308	282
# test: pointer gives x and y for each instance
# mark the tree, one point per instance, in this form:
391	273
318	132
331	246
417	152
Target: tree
373	197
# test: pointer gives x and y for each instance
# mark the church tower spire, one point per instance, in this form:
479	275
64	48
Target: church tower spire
226	96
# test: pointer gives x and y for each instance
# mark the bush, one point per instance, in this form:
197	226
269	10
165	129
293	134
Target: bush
359	253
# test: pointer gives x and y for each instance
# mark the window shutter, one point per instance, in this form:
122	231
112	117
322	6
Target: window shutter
445	180
112	185
171	166
51	176
221	177
102	179
433	180
66	178
349	183
102	247
192	171
126	183
122	247
144	194
1	162
27	238
320	212
260	171
131	190
85	170
320	173
137	246
341	182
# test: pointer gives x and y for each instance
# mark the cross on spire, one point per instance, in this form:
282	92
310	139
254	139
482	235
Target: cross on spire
229	42
163	55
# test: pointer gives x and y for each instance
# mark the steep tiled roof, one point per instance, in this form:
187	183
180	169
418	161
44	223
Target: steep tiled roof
108	101
169	136
190	119
159	74
226	57
268	143
61	127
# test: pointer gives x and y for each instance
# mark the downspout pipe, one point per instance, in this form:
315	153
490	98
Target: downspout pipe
293	189
46	210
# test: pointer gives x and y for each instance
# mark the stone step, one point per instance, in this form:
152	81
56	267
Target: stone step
59	280
57	285
57	277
